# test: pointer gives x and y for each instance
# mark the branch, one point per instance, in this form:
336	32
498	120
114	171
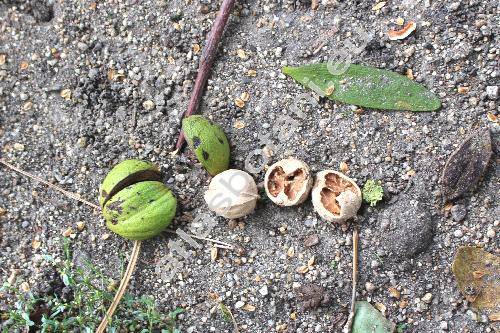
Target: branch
355	238
121	289
206	61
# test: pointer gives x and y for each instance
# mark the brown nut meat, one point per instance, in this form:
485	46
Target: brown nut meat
336	197
288	182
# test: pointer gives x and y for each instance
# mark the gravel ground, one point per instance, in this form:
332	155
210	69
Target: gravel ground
85	85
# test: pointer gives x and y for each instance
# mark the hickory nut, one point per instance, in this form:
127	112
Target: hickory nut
336	197
208	142
232	194
288	182
135	203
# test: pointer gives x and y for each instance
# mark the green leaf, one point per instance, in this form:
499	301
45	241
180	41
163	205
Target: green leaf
369	319
226	313
372	192
366	87
27	319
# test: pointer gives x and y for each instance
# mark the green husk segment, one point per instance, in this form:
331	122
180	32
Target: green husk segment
366	87
368	319
125	172
208	142
140	211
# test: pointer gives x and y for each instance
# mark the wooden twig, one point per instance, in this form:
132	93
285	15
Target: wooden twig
206	61
350	319
133	257
52	186
123	286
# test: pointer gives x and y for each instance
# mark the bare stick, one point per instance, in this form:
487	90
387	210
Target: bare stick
355	238
121	289
206	61
217	243
52	186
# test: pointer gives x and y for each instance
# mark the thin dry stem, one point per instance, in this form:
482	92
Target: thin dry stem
217	243
52	186
123	286
355	240
206	60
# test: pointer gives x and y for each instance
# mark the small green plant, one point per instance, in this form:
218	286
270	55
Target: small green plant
373	192
84	306
401	327
333	264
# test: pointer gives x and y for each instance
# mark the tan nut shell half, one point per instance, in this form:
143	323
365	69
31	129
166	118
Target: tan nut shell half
288	182
336	197
232	194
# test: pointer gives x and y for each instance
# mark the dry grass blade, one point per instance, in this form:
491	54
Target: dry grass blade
217	243
52	186
350	319
122	287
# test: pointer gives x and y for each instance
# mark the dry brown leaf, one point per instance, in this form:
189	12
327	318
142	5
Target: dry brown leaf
196	48
477	273
303	269
35	244
25	287
239	102
213	253
24	65
245	97
381	307
403	32
241	53
491	117
249	307
344	167
290	252
379	6
494	317
394	292
67	232
310	262
66	94
238	124
3	58
252	73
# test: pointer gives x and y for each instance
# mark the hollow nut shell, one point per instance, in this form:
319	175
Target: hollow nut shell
232	194
288	182
336	197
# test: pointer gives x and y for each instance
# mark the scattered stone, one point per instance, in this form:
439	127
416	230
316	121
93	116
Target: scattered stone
427	298
492	92
369	287
458	213
311	240
263	290
239	304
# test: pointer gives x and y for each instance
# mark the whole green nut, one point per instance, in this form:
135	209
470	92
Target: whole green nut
208	142
135	203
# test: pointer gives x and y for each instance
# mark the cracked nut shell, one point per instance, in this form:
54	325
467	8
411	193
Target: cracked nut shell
288	182
208	142
232	194
335	197
135	203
